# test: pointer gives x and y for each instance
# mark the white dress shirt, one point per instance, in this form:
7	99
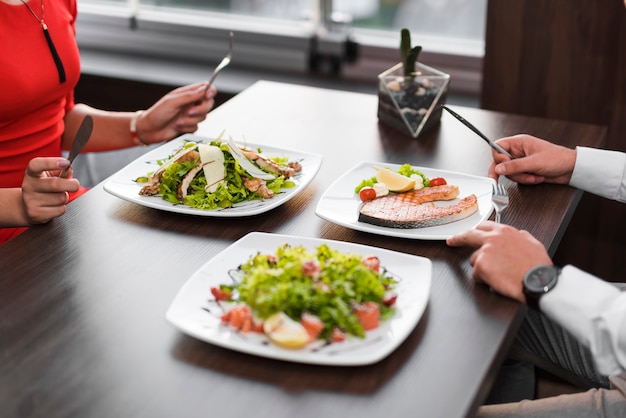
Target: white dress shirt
600	172
593	310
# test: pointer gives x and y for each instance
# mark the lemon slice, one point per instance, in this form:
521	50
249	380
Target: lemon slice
395	182
285	332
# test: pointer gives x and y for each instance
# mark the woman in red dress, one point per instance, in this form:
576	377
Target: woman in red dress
39	68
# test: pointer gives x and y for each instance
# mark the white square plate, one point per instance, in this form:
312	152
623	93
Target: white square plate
340	204
122	184
194	311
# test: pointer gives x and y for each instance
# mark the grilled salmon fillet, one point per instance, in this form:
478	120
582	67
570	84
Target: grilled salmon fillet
415	210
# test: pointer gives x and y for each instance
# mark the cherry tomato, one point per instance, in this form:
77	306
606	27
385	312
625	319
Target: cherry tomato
367	193
337	335
311	268
312	324
373	263
390	298
220	294
368	314
438	181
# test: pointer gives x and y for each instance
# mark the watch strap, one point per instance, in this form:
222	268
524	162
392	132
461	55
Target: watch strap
533	296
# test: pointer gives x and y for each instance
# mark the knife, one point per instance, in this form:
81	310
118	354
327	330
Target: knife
81	138
491	143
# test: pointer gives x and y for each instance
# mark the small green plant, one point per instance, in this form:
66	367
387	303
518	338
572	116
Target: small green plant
408	54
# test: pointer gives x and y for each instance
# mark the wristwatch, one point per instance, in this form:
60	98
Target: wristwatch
538	281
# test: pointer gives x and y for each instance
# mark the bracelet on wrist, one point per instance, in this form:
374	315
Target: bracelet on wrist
133	129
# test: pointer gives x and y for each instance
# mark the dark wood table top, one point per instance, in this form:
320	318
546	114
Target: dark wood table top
83	298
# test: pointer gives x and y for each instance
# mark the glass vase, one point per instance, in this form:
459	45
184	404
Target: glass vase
411	104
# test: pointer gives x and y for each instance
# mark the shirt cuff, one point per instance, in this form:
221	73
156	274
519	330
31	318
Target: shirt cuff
593	311
600	172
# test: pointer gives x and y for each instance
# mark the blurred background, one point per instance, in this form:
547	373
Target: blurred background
133	51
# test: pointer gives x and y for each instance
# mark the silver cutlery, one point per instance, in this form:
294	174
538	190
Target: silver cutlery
80	140
225	61
500	198
491	143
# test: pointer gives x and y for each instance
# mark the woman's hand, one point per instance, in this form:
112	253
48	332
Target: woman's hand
178	112
503	256
536	161
44	195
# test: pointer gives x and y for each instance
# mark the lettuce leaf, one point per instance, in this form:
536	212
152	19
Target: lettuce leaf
273	283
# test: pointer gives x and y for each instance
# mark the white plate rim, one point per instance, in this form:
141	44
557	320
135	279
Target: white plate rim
187	314
345	203
122	184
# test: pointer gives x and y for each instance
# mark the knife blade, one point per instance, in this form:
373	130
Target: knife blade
80	140
491	143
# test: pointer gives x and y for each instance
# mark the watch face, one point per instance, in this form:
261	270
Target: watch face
541	279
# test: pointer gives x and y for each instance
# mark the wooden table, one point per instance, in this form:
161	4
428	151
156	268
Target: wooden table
83	298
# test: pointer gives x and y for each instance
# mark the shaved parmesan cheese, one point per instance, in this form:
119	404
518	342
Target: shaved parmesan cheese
246	164
212	160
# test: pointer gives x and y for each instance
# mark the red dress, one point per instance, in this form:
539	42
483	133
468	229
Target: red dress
33	101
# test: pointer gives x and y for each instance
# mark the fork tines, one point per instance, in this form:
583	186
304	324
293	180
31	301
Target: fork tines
500	199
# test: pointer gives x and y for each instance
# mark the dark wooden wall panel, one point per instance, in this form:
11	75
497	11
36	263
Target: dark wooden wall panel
553	58
566	59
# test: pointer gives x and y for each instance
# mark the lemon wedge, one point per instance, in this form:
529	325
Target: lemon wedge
285	332
395	182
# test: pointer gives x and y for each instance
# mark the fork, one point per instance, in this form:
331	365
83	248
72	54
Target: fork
500	200
225	61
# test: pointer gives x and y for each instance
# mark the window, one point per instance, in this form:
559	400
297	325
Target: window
350	41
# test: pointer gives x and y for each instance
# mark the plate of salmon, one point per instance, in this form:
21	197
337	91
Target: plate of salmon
428	213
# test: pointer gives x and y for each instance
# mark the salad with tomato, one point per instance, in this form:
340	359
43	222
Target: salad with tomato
296	296
386	181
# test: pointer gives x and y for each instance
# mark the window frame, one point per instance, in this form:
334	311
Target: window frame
173	46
